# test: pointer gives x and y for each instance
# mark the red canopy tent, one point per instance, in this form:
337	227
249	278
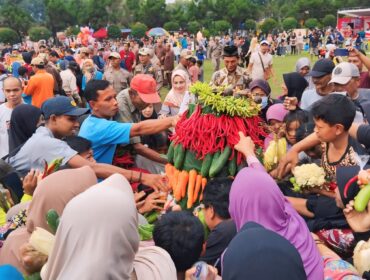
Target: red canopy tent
102	33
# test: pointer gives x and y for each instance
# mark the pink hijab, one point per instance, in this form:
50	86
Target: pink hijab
255	197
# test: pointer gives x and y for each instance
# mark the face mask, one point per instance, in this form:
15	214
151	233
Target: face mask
264	102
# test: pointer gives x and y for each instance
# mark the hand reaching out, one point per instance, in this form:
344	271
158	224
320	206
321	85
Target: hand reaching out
245	145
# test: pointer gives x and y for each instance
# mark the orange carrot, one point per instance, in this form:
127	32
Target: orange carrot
183	182
176	189
170	170
198	185
191	187
204	183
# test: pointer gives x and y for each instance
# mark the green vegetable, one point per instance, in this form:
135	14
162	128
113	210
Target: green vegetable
232	166
296	187
35	276
179	156
242	165
362	199
191	162
206	165
219	162
52	219
171	153
202	219
146	232
151	217
191	109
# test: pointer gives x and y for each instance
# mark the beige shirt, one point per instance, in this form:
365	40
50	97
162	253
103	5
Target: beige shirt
119	79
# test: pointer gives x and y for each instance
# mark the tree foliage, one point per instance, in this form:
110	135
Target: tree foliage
138	29
171	26
8	35
193	27
38	33
15	17
329	20
250	24
268	25
290	23
222	25
311	23
114	32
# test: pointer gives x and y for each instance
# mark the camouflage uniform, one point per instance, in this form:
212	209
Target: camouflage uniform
240	78
119	79
153	70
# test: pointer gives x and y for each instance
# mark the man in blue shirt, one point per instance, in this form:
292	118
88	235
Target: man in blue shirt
104	133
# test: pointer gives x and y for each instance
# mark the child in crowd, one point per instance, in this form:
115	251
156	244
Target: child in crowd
275	119
82	146
292	121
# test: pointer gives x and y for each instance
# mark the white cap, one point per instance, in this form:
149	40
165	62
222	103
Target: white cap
344	72
265	42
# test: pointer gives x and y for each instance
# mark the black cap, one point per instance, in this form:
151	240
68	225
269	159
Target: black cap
61	105
54	54
322	67
230	51
344	174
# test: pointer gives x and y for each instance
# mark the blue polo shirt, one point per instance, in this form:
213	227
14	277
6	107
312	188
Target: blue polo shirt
105	135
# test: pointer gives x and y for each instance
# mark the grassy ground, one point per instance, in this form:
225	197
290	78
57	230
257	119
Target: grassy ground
281	65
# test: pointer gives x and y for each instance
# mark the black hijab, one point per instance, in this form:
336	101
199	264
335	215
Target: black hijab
258	253
296	84
23	123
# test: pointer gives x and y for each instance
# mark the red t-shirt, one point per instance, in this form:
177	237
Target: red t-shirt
365	79
129	58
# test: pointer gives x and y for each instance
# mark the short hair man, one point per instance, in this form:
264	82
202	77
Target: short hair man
118	77
359	58
231	74
12	88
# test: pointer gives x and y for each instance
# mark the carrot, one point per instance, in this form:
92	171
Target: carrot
191	187
169	169
183	182
204	183
176	189
198	184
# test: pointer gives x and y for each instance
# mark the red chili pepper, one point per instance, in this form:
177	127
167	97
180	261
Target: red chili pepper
349	183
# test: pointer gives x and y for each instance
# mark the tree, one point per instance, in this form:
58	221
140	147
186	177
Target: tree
329	20
58	16
171	26
250	24
114	32
38	33
8	35
138	29
151	13
222	26
289	23
13	16
311	23
268	25
193	27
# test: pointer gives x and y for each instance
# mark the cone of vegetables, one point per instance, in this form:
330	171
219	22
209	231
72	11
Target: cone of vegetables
202	146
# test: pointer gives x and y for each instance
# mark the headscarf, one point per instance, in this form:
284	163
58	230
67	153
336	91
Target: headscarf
154	263
97	237
276	112
23	123
53	192
296	84
255	197
174	99
302	62
258	253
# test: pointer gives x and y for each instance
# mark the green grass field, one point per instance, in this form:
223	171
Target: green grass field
281	65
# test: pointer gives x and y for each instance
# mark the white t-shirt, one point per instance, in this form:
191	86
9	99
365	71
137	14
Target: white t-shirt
257	69
5	114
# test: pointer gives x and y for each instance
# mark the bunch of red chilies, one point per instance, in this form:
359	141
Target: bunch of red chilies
207	133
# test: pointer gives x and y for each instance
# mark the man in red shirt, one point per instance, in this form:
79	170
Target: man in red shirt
128	57
359	58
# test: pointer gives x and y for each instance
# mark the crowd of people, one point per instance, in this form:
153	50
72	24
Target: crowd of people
84	131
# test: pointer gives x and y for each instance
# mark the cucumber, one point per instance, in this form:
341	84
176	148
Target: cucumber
219	162
179	156
206	165
362	199
232	166
52	219
171	152
191	162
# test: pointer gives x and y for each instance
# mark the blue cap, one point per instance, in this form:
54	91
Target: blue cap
61	105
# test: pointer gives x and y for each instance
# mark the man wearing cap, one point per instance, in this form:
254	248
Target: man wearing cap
12	88
99	60
105	134
41	85
359	58
183	62
321	75
131	102
346	79
45	145
215	52
231	74
147	67
118	77
260	63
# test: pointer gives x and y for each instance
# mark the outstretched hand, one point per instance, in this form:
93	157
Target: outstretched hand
245	145
358	221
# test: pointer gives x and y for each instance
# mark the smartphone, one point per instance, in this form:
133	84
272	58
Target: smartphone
341	52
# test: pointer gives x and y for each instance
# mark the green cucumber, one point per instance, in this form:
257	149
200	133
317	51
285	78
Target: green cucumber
362	199
52	219
191	162
219	162
171	153
206	165
232	166
179	156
